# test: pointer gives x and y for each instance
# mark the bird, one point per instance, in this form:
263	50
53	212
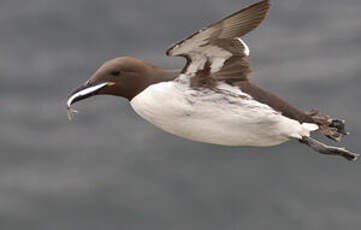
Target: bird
212	99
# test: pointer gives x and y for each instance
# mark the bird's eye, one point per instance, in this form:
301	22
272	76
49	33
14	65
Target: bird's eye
115	72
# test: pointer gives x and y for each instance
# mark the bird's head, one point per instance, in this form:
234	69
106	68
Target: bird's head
123	76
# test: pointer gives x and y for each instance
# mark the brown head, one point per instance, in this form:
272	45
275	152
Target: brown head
124	77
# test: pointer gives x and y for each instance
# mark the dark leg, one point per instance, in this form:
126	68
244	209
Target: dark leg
329	150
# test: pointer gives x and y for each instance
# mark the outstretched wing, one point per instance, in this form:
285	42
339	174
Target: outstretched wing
219	46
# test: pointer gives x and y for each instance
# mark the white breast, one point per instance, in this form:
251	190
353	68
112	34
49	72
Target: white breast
228	117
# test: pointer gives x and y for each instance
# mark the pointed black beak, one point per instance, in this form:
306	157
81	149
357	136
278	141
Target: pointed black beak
84	91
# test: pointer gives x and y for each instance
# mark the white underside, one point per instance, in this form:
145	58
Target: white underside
229	117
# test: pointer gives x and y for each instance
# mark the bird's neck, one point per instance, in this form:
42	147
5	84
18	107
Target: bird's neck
154	76
162	75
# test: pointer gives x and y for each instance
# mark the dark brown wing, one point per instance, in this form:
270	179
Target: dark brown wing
233	26
213	46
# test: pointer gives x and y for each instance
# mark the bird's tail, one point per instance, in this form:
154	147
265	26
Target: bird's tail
331	128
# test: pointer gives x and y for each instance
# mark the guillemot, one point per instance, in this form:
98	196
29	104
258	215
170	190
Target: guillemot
211	99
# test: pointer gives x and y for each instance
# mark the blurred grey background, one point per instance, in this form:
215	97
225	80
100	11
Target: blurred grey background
109	169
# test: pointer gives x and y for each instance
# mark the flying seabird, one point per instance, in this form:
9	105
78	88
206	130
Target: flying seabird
212	99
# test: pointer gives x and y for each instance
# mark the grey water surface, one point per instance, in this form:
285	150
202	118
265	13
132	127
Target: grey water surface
109	169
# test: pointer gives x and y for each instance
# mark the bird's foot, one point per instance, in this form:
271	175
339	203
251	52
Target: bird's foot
331	128
329	150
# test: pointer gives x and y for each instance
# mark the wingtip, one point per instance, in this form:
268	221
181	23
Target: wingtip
267	4
256	14
264	2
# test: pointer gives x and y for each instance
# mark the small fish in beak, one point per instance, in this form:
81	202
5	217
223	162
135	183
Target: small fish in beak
81	93
70	113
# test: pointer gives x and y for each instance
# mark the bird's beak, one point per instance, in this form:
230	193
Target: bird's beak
84	91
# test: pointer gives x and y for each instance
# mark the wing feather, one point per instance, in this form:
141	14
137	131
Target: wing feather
217	51
233	26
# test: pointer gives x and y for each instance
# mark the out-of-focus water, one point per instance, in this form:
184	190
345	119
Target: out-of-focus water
109	169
